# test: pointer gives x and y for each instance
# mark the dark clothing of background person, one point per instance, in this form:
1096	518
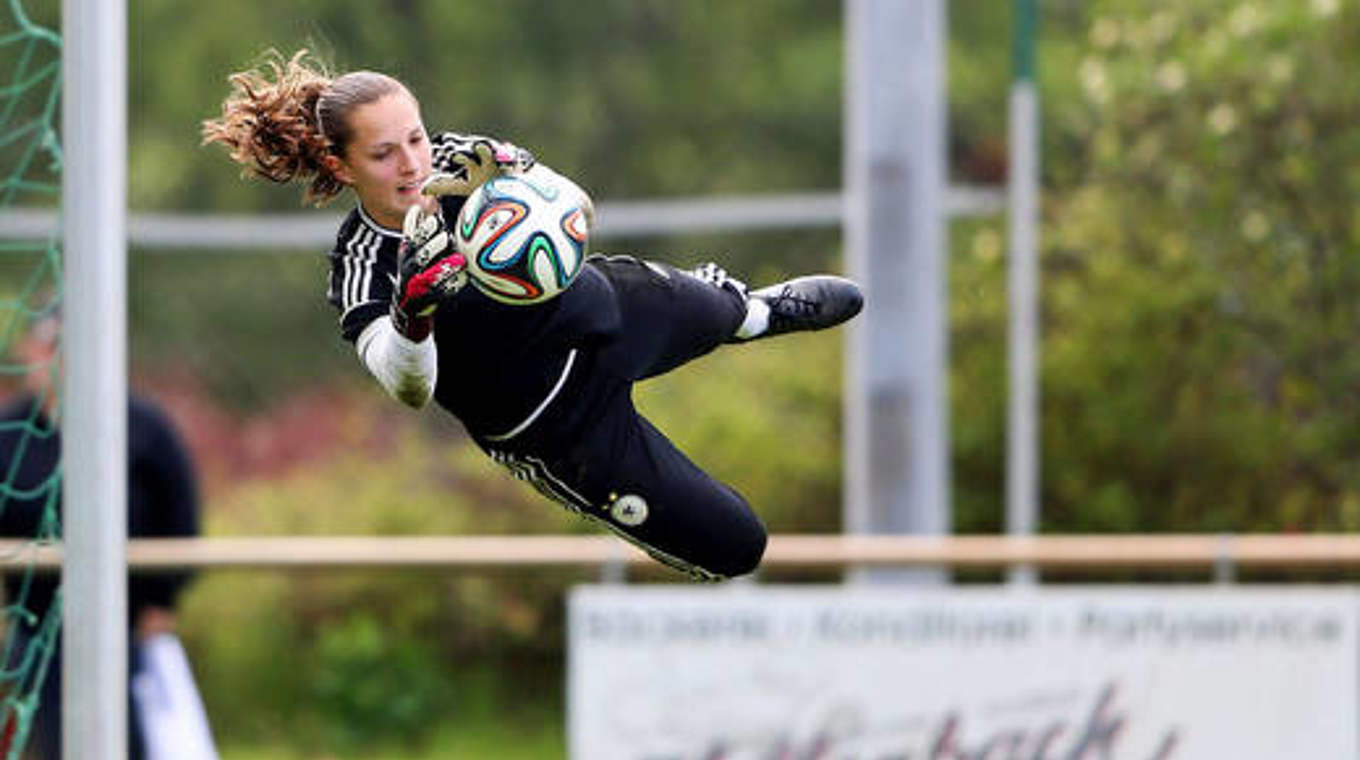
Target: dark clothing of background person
163	501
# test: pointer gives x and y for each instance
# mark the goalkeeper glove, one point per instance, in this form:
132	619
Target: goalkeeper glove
429	269
472	165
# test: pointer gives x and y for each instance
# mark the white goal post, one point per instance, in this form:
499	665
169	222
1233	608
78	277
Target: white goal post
94	385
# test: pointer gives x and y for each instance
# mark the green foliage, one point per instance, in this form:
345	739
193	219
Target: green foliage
617	94
977	386
371	683
252	328
1199	283
343	662
1198	280
766	419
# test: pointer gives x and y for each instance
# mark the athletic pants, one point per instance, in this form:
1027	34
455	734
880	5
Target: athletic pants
592	451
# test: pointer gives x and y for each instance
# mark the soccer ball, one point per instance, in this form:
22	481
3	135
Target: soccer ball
524	236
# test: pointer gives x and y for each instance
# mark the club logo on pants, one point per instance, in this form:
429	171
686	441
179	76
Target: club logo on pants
629	509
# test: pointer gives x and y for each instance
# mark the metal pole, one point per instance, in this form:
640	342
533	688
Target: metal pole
1022	440
896	441
94	386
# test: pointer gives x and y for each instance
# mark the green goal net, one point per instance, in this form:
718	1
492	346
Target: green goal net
30	287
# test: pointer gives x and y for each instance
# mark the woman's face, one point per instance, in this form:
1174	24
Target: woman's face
387	158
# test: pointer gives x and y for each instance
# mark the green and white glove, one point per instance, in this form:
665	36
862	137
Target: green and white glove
474	164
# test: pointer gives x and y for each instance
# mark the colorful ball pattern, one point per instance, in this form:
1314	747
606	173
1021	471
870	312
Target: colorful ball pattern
524	236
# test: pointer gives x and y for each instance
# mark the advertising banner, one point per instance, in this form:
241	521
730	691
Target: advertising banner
904	673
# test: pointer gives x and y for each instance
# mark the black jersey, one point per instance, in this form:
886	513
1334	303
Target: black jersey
498	363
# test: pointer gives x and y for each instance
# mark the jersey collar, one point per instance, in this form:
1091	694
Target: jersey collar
373	223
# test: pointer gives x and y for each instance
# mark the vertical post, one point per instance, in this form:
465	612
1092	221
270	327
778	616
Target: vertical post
94	385
1022	439
896	449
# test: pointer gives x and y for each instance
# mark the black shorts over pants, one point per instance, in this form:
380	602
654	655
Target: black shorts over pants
594	453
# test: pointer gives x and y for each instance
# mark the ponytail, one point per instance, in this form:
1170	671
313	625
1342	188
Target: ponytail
269	123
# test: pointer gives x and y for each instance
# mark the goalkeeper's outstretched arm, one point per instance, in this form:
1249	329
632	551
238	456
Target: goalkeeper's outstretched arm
399	349
407	369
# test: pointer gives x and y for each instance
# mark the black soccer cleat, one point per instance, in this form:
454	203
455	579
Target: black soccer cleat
813	302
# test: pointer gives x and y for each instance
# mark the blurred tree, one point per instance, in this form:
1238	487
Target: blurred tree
633	98
1199	295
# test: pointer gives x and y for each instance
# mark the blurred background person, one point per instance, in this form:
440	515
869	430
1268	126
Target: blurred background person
163	501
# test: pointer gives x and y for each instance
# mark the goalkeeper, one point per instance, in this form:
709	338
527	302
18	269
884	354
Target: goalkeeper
543	389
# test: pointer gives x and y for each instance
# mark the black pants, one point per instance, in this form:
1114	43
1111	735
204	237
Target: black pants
594	453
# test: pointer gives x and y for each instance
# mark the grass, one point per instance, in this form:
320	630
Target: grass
498	715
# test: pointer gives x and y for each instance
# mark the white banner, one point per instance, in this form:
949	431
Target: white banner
901	673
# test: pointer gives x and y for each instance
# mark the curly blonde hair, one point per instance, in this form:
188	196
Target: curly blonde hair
284	117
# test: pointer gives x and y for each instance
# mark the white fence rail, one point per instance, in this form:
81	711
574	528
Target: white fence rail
316	230
1068	552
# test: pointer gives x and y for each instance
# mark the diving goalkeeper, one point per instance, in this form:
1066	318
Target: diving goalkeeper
544	389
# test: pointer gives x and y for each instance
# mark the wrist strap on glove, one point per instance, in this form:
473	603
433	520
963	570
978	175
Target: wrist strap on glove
428	270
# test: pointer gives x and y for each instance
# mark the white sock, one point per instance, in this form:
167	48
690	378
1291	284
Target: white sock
757	318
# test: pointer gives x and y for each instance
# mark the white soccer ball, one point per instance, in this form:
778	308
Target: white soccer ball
524	236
